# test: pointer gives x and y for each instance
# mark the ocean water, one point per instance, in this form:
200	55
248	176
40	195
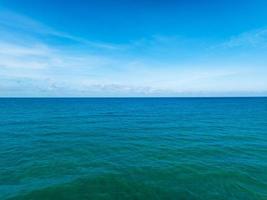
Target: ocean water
133	148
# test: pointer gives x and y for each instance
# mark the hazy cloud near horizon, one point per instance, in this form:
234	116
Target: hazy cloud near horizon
38	60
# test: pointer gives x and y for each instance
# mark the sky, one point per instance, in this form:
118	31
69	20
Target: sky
133	48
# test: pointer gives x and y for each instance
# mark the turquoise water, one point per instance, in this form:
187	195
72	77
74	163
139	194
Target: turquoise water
133	148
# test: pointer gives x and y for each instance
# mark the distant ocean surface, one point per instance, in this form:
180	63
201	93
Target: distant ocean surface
133	148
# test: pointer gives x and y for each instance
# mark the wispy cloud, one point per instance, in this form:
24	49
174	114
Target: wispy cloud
255	38
16	22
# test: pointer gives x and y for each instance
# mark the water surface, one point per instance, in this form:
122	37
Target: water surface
133	148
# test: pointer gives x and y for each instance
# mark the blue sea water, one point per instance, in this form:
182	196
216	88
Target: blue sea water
133	148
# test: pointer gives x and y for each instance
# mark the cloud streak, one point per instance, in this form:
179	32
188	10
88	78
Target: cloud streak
251	39
16	22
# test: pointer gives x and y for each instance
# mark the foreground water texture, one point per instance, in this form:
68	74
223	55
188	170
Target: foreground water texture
155	148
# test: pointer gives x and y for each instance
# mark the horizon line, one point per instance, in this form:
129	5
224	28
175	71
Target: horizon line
128	97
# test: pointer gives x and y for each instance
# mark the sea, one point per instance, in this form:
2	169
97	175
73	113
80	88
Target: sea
133	148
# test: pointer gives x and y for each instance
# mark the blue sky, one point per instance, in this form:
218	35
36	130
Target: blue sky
133	48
